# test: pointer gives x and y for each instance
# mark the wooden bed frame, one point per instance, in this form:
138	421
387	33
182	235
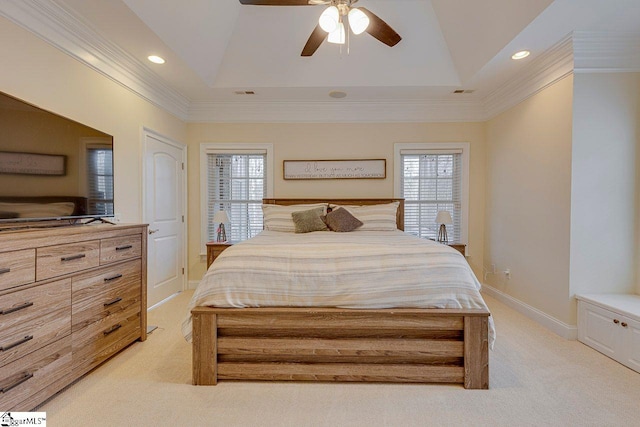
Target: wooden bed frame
336	344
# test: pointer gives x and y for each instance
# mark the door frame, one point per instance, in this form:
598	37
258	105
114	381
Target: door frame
183	148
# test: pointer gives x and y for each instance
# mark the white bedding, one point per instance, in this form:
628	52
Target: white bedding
360	269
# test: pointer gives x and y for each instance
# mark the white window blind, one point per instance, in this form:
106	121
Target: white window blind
236	183
431	181
100	180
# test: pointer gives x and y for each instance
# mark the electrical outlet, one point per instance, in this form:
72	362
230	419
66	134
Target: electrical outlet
493	269
507	273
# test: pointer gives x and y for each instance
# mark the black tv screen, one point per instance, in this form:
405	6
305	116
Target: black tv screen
52	167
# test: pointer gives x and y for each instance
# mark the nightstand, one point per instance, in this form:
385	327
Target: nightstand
459	247
214	249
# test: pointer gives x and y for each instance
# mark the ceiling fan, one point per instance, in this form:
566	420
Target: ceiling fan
331	23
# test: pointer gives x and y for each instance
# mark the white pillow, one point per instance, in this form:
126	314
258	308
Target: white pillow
374	217
38	210
278	217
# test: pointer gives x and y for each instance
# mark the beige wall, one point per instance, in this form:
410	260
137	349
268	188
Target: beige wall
604	196
40	74
528	200
338	141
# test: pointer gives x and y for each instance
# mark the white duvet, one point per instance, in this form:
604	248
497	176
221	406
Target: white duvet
360	269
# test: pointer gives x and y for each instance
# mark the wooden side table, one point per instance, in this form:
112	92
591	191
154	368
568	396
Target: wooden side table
459	247
214	249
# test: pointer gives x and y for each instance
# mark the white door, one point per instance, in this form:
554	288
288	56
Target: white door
164	196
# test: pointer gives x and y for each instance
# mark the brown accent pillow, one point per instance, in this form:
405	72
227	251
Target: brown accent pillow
341	220
309	220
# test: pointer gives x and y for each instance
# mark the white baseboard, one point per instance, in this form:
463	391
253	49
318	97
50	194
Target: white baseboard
569	332
192	284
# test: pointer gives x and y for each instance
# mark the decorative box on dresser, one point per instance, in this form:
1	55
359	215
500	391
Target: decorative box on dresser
70	298
610	323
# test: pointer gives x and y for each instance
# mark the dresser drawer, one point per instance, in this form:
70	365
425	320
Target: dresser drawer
23	378
55	261
105	293
34	317
17	268
100	340
120	248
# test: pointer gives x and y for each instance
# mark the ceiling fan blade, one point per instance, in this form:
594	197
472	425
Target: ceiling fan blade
380	29
276	2
315	40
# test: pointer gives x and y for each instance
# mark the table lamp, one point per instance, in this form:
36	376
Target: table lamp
443	218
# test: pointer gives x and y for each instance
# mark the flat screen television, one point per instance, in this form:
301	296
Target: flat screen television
51	167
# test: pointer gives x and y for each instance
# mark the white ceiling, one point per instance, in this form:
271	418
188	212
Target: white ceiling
214	48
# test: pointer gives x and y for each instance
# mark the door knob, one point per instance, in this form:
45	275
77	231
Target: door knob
154	231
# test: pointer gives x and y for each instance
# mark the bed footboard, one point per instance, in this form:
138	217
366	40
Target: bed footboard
332	344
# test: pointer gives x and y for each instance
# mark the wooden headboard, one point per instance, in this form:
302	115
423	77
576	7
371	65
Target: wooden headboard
359	202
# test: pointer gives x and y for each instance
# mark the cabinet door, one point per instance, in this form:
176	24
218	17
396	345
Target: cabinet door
631	344
598	329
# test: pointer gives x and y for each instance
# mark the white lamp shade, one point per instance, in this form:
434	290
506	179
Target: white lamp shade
444	217
358	21
337	36
329	19
221	216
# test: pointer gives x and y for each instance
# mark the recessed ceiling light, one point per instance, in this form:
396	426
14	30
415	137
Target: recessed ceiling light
156	59
337	94
521	54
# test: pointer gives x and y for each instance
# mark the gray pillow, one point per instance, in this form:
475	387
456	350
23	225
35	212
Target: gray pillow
341	220
309	220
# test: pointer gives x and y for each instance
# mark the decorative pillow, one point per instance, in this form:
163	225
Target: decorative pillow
278	217
375	217
308	221
39	210
342	221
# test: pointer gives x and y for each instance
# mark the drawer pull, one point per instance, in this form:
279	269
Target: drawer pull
17	308
616	321
112	278
107	304
72	257
112	329
17	343
624	324
4	270
123	248
22	379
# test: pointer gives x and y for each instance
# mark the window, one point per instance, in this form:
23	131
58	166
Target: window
235	178
432	178
100	179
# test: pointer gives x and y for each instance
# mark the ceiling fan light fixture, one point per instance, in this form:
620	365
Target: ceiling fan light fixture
329	19
337	36
358	21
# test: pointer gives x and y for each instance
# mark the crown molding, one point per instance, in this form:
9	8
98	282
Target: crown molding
401	111
552	66
605	52
60	27
578	51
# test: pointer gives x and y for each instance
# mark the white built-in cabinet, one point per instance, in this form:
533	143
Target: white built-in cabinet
610	323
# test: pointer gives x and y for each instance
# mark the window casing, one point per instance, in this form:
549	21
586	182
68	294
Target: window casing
234	178
431	178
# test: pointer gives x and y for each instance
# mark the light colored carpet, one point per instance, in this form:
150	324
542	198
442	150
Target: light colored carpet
537	379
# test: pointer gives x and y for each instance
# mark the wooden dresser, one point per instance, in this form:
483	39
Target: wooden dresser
70	298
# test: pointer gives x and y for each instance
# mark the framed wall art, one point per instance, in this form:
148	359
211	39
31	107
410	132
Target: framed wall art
335	169
32	163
